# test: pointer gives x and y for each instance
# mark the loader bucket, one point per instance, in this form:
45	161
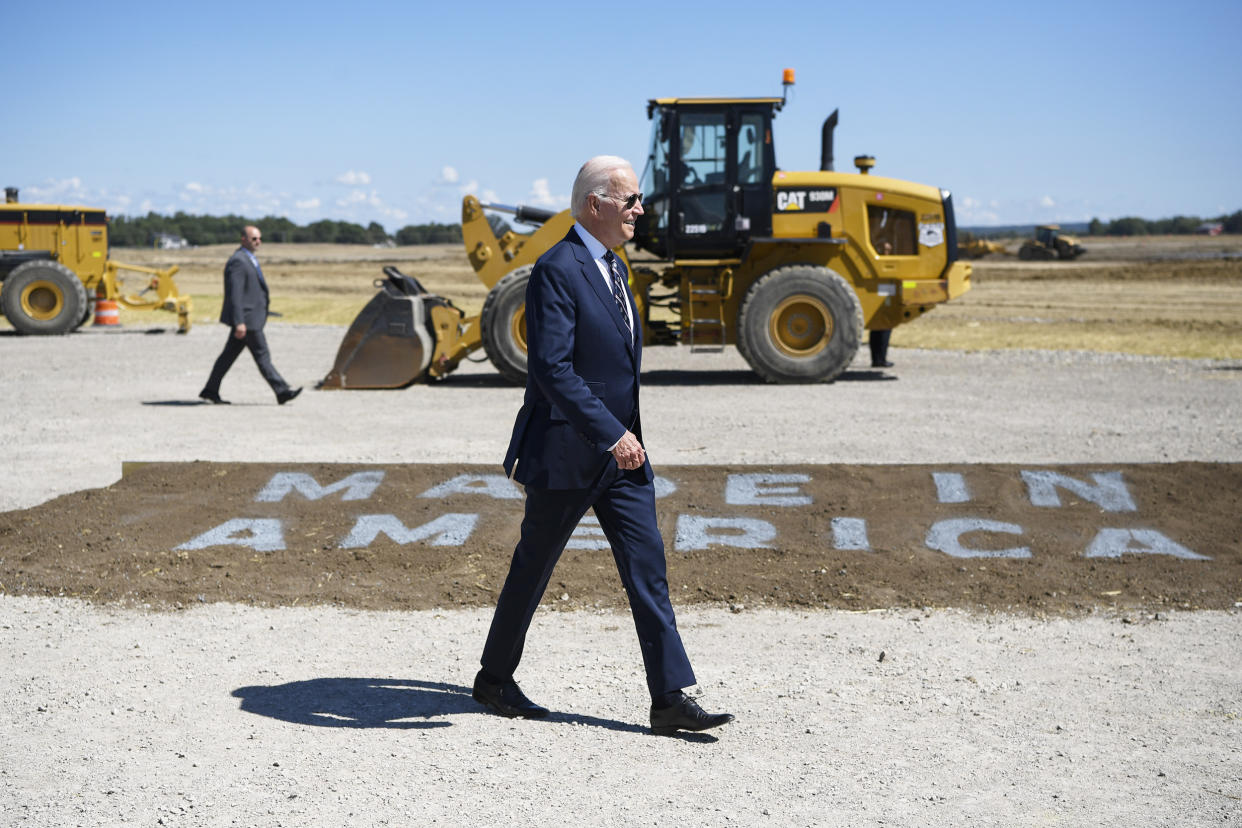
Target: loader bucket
389	344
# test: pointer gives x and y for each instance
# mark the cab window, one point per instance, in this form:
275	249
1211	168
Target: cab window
750	155
654	181
893	232
702	149
655	174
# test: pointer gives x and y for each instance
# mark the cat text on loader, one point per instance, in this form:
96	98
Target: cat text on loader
54	264
790	267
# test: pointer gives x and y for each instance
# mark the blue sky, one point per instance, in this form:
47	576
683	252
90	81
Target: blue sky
367	111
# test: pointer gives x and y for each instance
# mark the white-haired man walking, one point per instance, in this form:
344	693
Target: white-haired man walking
577	445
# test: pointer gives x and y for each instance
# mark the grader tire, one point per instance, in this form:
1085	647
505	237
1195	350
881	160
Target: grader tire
43	297
503	325
800	324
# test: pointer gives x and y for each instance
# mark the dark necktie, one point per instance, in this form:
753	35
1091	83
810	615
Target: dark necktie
255	260
618	289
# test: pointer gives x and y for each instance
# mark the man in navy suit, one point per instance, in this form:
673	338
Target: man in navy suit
245	312
577	445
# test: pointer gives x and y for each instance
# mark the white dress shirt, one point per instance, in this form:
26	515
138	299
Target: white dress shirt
597	250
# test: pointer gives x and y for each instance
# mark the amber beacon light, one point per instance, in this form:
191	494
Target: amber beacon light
787	80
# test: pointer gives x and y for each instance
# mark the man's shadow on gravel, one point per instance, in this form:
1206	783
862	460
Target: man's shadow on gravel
402	704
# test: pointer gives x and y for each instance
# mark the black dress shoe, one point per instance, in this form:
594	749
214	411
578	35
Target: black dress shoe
288	394
685	714
506	698
884	363
212	398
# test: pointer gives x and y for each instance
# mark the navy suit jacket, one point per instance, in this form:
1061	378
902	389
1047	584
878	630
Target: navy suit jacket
245	293
582	374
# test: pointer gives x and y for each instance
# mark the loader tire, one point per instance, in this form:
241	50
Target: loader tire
503	325
43	297
800	324
86	315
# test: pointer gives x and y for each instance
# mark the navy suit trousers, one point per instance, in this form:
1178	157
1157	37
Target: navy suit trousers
257	343
625	506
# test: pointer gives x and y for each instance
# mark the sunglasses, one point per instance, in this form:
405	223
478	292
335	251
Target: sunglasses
627	203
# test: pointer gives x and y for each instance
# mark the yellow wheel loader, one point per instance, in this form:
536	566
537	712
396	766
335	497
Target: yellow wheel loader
790	267
54	264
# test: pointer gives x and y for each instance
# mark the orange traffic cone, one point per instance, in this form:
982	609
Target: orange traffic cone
107	312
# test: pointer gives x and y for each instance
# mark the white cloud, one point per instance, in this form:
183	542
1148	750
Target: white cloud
353	178
448	175
541	195
354	197
54	190
323	199
1047	201
354	203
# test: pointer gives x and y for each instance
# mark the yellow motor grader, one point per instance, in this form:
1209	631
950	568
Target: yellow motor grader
54	263
790	267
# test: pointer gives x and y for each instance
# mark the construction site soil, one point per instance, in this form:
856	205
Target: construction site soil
174	534
77	410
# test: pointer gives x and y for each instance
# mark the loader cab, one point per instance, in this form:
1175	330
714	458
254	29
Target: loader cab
708	176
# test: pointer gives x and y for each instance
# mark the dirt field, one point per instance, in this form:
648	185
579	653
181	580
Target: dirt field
155	539
1167	296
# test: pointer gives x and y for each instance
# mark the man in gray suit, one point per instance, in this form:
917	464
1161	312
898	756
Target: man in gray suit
245	311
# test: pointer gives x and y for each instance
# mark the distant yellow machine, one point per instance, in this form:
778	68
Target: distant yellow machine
1050	243
976	248
790	267
54	263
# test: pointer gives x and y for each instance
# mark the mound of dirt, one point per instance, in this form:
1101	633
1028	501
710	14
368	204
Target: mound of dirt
1060	539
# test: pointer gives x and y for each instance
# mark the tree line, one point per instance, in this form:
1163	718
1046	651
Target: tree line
1177	225
144	231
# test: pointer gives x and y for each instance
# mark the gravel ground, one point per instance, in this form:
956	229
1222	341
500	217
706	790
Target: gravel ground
79	405
233	715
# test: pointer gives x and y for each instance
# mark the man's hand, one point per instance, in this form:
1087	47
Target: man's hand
629	452
240	331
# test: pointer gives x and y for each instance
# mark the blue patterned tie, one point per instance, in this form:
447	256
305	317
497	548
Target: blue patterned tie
618	290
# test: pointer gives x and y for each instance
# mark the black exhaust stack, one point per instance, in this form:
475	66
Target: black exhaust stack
825	151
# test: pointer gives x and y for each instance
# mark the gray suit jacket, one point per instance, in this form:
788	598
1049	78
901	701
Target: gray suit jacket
245	293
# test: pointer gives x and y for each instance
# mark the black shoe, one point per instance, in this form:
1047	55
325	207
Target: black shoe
685	714
288	394
884	363
211	397
506	698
